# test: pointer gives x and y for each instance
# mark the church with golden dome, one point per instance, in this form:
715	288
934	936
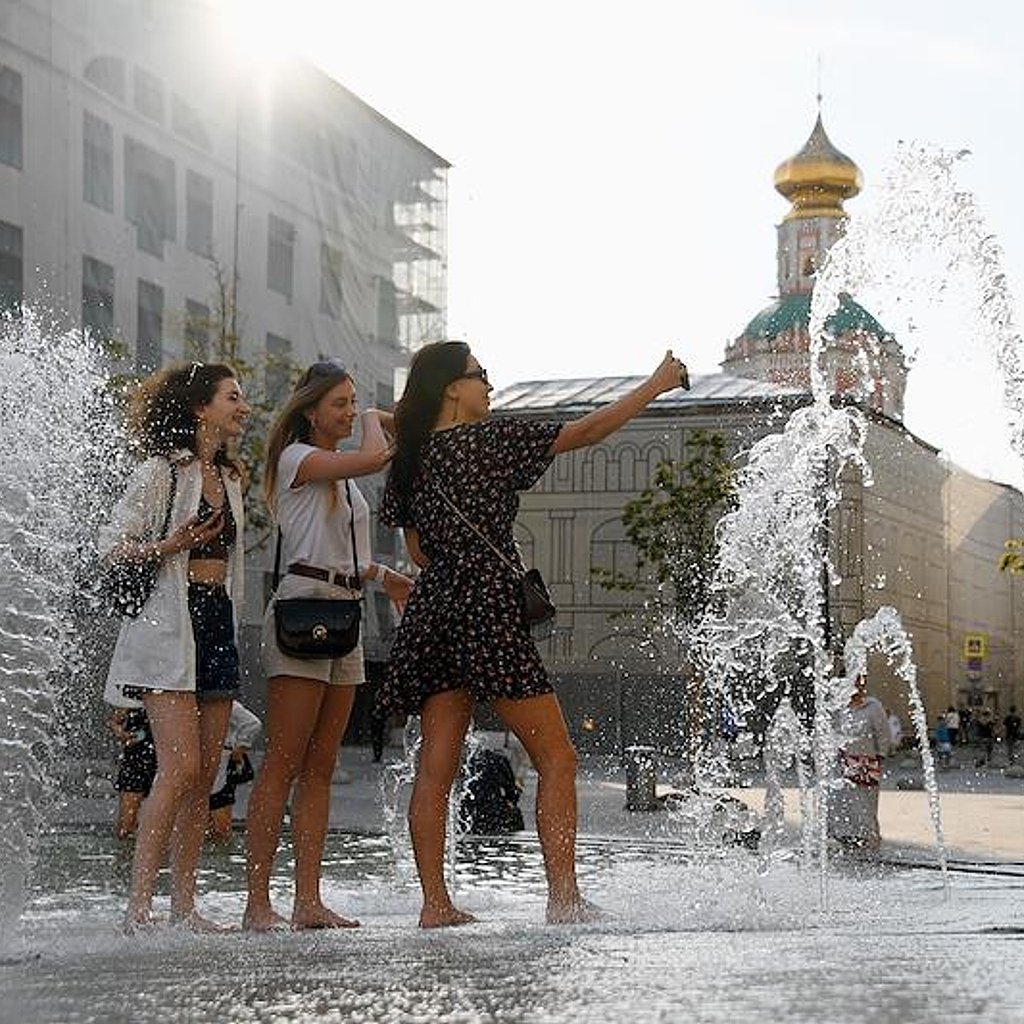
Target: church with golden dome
775	345
925	537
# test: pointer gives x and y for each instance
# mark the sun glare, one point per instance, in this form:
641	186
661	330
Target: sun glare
262	31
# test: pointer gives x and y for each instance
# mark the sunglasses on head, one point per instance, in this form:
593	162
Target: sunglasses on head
327	368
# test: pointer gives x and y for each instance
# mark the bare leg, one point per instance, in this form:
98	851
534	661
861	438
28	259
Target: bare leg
175	724
540	727
293	705
443	723
311	807
128	808
193	812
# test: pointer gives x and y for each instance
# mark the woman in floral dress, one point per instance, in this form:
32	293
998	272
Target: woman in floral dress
463	637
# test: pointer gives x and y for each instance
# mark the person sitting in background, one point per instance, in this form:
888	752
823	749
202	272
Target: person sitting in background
136	766
235	770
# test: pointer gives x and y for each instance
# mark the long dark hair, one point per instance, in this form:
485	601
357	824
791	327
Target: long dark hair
292	423
161	412
433	368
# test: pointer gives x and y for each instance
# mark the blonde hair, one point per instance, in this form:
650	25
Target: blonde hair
292	424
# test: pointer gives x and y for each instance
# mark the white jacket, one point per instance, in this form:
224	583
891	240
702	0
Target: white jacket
157	649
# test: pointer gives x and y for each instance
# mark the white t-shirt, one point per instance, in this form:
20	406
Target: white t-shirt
312	530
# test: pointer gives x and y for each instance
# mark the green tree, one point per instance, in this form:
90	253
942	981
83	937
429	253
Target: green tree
671	526
266	379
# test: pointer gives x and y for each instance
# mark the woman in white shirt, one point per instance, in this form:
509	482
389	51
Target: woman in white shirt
309	489
179	655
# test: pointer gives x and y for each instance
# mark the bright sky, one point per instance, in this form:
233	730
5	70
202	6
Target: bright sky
612	184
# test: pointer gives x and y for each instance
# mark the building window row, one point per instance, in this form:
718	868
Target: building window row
10	117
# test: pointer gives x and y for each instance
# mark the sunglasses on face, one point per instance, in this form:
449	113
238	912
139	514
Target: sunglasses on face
480	374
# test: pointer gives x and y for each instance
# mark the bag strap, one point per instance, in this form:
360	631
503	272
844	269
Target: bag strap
170	500
352	527
519	570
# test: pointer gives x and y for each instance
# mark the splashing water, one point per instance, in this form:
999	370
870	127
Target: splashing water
767	645
55	418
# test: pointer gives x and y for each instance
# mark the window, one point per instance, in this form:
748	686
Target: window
10	117
97	298
149	341
387	311
107	73
330	281
199	213
188	124
197	330
12	287
278	368
385	396
280	256
149	196
149	96
97	162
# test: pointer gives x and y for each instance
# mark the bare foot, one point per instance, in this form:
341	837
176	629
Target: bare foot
320	916
193	921
445	917
137	921
266	920
577	911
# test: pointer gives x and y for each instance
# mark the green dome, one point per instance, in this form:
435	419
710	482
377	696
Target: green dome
795	311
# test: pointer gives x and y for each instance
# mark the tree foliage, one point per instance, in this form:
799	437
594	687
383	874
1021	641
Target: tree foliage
671	526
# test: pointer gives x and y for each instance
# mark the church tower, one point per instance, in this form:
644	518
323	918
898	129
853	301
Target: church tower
775	345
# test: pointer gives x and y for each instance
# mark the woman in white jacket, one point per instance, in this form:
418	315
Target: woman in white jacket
179	655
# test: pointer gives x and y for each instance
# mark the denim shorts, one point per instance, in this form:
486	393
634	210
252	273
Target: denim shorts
213	627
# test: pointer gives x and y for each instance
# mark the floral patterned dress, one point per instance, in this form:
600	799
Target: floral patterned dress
463	627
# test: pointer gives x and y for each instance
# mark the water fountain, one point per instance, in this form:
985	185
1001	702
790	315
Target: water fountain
767	639
55	429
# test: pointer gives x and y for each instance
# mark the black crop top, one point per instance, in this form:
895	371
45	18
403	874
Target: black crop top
217	548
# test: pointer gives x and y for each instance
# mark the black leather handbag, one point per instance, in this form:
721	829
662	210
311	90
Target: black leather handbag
318	627
124	586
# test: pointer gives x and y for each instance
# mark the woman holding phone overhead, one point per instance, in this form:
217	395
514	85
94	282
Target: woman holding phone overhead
464	636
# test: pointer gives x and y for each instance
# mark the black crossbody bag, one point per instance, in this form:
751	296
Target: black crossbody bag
538	608
318	627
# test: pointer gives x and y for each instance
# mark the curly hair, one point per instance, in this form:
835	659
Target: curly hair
161	411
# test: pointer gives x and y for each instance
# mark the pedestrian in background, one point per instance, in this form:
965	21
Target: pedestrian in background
1011	733
953	724
853	809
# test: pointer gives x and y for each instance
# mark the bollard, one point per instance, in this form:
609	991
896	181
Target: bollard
641	778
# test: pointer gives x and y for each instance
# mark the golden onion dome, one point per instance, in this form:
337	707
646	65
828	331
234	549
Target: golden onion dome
818	178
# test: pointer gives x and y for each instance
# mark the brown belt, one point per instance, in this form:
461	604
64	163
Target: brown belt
326	576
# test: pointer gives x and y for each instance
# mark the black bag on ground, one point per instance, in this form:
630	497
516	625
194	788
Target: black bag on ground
490	801
123	587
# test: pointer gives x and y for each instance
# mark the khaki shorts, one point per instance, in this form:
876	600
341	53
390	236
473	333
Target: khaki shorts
345	671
